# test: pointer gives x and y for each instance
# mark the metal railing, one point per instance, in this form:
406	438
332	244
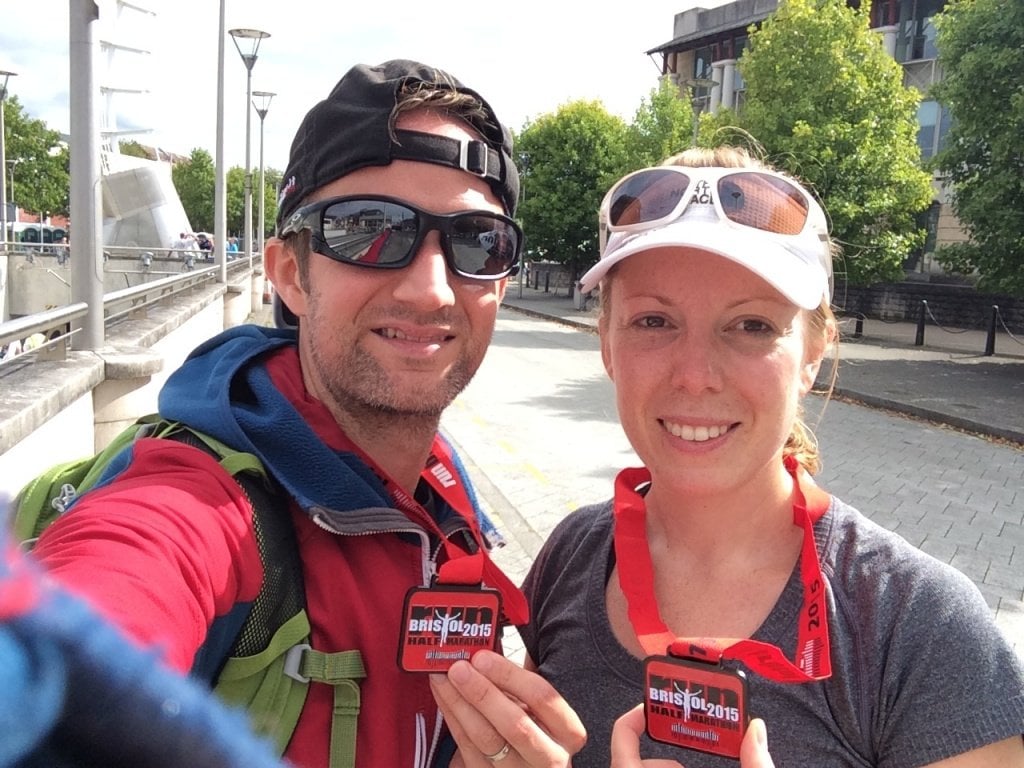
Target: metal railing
47	335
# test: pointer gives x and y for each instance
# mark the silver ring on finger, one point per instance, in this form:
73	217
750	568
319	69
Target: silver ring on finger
500	755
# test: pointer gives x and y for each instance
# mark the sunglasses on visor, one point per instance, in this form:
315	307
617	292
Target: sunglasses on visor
761	200
386	233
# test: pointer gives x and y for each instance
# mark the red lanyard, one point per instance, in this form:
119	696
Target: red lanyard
459	566
636	576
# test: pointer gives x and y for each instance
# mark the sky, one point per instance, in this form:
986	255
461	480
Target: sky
526	61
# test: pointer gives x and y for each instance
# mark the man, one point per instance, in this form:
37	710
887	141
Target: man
180	245
343	413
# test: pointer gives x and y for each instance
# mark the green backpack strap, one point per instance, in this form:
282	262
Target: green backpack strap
270	678
48	495
272	686
342	670
258	683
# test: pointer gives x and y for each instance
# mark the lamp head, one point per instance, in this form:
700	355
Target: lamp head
247	42
4	77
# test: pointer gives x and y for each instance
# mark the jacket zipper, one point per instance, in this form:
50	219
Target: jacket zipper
428	559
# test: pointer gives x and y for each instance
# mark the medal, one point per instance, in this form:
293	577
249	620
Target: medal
695	705
445	624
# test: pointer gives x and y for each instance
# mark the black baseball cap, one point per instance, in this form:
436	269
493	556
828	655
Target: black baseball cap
351	129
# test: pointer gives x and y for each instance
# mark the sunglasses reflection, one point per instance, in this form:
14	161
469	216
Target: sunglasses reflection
387	234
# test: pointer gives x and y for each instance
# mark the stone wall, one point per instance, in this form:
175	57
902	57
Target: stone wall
952	306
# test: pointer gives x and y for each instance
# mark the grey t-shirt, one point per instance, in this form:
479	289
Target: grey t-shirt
920	672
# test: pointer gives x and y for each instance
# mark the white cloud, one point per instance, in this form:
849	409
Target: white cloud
526	61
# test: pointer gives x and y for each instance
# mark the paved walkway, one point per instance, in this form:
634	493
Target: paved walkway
948	380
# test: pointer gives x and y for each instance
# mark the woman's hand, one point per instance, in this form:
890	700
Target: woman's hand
499	712
629	727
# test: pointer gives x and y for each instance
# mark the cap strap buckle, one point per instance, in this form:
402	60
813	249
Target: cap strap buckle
474	157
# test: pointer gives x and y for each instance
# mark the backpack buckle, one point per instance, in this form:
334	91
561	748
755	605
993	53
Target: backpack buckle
293	662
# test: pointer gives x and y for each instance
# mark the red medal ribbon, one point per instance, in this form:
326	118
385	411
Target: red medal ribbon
636	576
459	567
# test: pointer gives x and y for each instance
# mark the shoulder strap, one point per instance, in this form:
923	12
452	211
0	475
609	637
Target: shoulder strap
270	663
47	496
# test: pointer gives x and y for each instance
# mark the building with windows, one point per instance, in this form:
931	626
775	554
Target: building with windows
701	60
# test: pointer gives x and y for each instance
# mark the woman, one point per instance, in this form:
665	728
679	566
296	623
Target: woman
857	649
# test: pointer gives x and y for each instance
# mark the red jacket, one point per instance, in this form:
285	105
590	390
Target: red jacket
168	547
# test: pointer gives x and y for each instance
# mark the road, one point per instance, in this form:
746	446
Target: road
539	430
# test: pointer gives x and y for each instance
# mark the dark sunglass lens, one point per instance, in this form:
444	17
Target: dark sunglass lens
369	232
763	202
483	245
648	196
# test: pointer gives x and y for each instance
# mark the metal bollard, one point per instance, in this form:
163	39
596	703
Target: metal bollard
919	339
547	281
858	328
990	339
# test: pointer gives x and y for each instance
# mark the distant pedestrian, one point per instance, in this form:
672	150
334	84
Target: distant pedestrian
719	567
181	245
205	244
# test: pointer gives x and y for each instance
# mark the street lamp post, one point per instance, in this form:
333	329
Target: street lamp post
4	77
695	100
261	103
11	164
253	38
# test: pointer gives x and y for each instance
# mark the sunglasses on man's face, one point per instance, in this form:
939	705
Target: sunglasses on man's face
386	233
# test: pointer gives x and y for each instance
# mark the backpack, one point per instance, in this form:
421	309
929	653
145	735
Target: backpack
258	659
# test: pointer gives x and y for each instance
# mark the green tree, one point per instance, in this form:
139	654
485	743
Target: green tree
42	181
567	160
236	202
828	105
981	49
135	149
271	180
662	126
194	179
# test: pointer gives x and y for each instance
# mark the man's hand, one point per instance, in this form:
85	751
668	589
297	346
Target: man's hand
629	727
491	703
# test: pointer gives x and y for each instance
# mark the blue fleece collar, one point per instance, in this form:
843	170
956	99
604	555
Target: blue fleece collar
221	392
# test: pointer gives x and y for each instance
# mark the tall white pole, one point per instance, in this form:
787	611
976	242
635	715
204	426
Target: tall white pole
3	169
252	38
261	104
220	209
263	190
248	164
86	242
4	76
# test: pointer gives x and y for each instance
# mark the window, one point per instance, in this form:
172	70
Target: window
29	235
916	36
702	59
933	123
739	85
928	220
